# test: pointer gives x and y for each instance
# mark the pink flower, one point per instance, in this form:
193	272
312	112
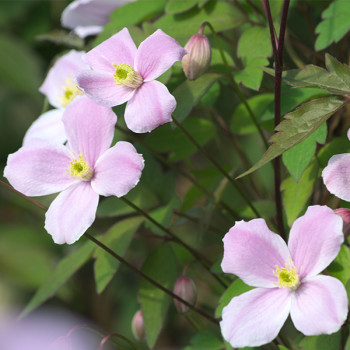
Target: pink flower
81	172
88	17
122	73
287	278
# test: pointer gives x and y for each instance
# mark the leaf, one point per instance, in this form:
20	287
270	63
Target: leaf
335	24
222	16
295	194
321	342
204	340
178	6
65	269
266	208
297	126
251	75
189	93
297	158
340	267
341	70
161	267
117	238
62	37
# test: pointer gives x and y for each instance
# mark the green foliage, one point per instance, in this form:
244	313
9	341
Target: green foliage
335	24
205	340
340	267
62	37
321	342
175	6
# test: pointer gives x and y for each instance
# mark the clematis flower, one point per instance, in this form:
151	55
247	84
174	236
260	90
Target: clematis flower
88	17
81	172
122	73
61	90
286	278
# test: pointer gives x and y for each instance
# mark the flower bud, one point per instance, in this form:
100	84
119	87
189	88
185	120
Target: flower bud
344	213
197	61
138	327
185	289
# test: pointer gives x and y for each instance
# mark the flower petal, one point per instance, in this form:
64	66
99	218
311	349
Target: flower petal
101	88
252	251
315	240
63	70
319	306
118	170
255	318
84	31
151	106
157	54
49	127
71	213
89	128
119	48
336	176
39	168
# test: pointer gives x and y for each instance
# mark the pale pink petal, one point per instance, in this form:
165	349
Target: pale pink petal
319	306
48	126
118	170
119	48
336	176
255	318
315	240
39	168
89	128
252	251
72	213
62	72
157	54
101	88
151	106
83	32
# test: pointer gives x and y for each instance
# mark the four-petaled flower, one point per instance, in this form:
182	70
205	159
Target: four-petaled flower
121	72
286	277
83	170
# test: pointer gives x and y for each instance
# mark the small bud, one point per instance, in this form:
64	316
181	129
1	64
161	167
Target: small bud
185	289
197	61
138	327
344	213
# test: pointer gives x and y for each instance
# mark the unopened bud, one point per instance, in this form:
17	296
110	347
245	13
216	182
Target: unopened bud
197	61
138	327
344	213
185	289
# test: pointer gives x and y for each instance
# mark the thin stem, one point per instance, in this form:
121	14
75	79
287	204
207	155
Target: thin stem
235	85
218	166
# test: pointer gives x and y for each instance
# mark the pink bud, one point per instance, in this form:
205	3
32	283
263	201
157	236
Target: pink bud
138	327
344	213
197	61
185	289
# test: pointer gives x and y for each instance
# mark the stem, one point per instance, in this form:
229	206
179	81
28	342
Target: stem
235	85
218	166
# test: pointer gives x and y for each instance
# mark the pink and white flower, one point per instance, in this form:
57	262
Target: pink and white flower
122	73
286	278
81	172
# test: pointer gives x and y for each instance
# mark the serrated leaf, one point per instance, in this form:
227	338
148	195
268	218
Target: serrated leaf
335	24
295	194
62	37
117	238
189	93
341	70
297	158
161	267
178	6
65	269
321	342
340	267
297	126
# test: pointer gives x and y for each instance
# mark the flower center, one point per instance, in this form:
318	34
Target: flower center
126	75
80	168
70	92
287	276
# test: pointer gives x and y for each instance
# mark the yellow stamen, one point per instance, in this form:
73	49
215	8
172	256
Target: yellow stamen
126	75
80	168
287	276
70	92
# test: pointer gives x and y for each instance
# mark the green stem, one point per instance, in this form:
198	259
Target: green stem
235	85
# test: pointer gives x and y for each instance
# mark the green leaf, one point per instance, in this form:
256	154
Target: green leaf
178	6
335	24
221	15
65	269
117	238
321	342
161	267
281	347
340	267
266	208
295	194
62	37
347	346
189	93
341	70
335	146
297	158
204	340
297	126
